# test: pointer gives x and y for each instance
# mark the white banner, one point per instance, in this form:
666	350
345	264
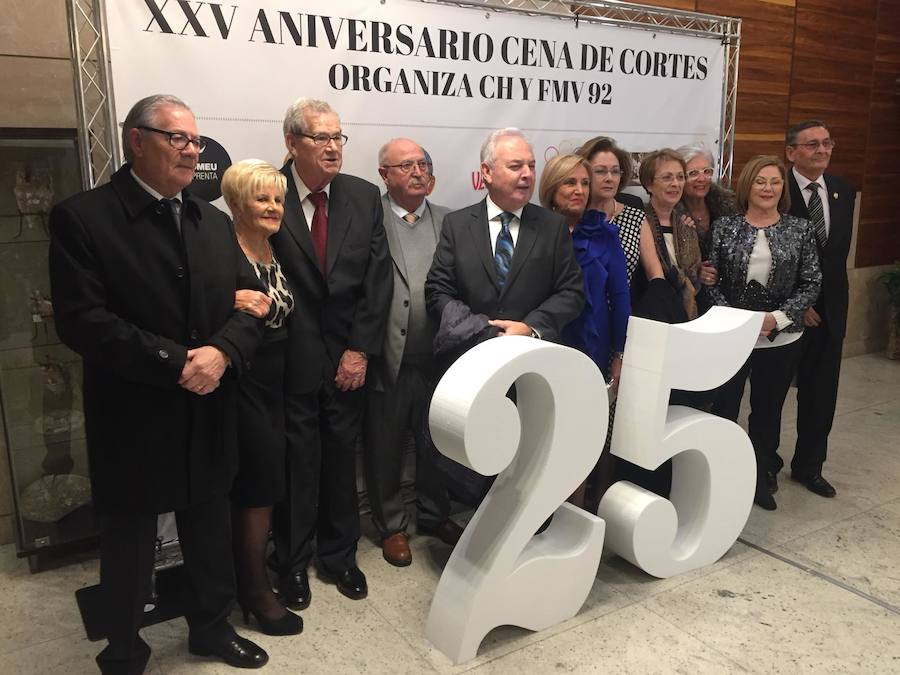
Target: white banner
443	76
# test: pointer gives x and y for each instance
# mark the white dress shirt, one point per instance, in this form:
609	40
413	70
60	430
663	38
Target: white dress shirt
493	216
400	211
303	193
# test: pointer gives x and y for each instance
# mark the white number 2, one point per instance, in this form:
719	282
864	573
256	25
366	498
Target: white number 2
713	465
501	573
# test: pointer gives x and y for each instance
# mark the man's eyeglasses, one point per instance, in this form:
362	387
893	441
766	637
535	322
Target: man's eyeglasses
812	146
322	139
696	173
178	140
407	167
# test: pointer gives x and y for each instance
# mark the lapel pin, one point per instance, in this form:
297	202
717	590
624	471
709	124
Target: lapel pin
834	195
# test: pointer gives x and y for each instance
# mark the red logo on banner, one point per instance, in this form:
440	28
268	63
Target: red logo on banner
477	180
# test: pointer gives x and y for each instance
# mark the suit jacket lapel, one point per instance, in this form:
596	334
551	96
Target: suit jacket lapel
481	238
390	229
294	220
524	243
339	220
840	211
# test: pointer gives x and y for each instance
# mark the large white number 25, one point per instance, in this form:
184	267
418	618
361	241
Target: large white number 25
546	443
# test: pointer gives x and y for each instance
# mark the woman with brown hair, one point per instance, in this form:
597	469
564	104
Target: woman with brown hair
768	263
662	173
611	170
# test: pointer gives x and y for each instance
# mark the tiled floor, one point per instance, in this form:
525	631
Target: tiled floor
813	587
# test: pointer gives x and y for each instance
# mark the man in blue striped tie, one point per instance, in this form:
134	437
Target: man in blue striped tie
505	257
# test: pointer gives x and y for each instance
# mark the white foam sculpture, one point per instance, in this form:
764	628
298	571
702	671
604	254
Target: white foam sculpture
545	445
713	464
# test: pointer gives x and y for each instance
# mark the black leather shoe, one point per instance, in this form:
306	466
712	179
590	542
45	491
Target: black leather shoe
771	482
765	500
293	590
234	650
815	483
350	582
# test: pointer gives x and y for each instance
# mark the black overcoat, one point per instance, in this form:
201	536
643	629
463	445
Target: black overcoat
131	296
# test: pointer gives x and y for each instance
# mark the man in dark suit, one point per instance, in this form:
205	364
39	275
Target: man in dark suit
402	379
504	257
143	279
333	251
827	202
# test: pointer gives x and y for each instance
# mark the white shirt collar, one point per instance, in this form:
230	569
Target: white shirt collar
302	191
400	211
803	181
494	211
153	193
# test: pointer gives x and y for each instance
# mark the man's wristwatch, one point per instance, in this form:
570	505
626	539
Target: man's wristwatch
535	334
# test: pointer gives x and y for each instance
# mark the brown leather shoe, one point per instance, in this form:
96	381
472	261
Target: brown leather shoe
396	549
446	530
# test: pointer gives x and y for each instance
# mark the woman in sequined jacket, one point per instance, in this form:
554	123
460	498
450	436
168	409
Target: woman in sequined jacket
767	261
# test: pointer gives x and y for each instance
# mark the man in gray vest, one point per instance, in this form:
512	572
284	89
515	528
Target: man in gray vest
403	377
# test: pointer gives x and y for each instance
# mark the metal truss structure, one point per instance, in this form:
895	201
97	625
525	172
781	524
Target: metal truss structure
98	142
645	17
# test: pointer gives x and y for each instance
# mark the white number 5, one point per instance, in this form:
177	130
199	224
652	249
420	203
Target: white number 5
501	573
713	465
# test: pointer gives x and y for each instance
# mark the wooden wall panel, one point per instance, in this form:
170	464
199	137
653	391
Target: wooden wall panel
764	74
834	60
834	47
878	240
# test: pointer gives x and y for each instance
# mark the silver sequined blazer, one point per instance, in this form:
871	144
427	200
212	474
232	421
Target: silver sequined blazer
795	276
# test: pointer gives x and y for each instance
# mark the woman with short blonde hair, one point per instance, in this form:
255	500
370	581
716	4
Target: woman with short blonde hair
254	191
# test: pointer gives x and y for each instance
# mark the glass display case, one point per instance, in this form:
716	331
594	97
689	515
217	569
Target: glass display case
42	423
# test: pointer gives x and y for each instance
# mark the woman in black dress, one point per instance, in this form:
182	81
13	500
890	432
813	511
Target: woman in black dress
254	192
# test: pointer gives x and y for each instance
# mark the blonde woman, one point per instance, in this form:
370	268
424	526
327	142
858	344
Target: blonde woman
254	192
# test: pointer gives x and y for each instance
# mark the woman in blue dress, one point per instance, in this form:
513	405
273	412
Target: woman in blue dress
599	331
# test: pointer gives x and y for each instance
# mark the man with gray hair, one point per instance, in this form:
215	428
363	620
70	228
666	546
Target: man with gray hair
403	377
504	257
143	277
333	251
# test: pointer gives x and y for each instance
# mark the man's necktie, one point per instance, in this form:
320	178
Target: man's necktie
319	228
817	213
503	250
174	206
410	218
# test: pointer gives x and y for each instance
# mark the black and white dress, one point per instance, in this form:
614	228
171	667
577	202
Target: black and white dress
628	221
260	479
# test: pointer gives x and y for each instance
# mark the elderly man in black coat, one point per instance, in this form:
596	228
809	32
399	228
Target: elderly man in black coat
143	279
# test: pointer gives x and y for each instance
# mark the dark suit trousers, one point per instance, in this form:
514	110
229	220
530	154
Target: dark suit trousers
126	564
320	501
771	371
389	416
818	372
